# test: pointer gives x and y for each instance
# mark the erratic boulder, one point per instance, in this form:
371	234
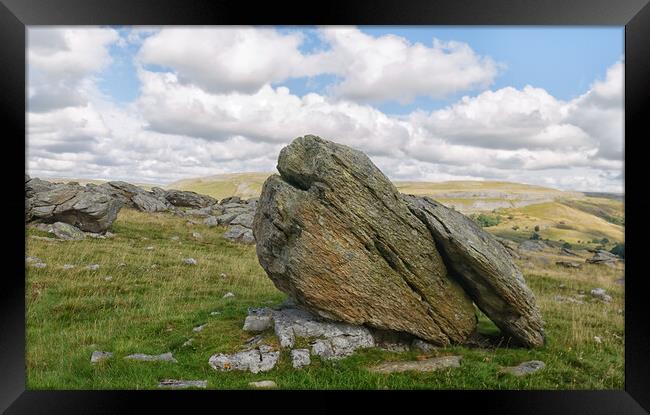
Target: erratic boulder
484	268
182	198
84	208
333	232
135	197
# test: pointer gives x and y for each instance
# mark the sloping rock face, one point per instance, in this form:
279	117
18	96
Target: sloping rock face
85	208
333	232
484	268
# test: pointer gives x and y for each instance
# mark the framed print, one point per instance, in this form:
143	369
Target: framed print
427	199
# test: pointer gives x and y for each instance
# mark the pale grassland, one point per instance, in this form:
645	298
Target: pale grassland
147	309
556	222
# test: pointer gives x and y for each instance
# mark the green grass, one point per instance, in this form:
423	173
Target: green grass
145	309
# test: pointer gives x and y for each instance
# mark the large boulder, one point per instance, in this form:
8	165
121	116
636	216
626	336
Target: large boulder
333	232
85	208
484	268
183	198
135	197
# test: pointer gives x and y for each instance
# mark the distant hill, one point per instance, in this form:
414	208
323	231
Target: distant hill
244	185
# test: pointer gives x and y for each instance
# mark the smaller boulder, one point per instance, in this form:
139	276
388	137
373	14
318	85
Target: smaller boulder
524	368
300	358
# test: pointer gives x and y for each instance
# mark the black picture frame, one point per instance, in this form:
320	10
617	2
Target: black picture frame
15	15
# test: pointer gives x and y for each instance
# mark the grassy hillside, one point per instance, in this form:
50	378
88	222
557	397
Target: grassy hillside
148	301
244	185
557	221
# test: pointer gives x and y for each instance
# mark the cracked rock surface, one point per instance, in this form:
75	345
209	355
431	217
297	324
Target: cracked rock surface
333	232
257	360
485	269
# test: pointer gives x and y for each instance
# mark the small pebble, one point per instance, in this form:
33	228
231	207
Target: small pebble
199	328
223	275
196	235
188	342
215	313
190	261
98	356
263	384
228	295
175	238
121	264
39	265
93	267
598	340
149	248
109	278
68	266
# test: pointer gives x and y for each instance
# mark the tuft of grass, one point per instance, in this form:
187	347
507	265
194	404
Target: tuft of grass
151	303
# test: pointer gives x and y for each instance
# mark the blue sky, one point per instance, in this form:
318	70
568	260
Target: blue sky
538	105
562	60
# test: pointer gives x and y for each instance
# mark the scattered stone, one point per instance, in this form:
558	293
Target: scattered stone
225	218
238	233
109	278
223	275
175	238
188	342
565	299
300	358
215	313
569	264
245	220
263	384
228	295
165	357
135	197
620	281
211	221
121	264
199	328
68	266
257	360
598	340
335	340
197	236
67	232
92	267
257	323
181	198
422	346
190	261
426	365
98	356
600	294
85	208
331	223
30	259
149	248
603	257
39	264
524	368
183	384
